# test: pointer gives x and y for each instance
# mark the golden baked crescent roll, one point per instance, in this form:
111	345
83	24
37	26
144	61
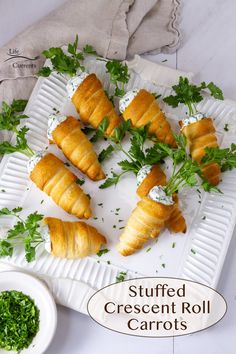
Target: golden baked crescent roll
145	222
77	148
52	177
143	110
93	105
200	135
156	177
176	222
73	239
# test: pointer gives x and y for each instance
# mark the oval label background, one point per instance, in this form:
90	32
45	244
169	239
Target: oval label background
157	307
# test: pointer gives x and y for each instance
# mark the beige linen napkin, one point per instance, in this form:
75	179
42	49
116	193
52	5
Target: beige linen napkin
72	293
117	29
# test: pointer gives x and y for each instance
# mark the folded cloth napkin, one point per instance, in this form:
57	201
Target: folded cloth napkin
74	293
117	29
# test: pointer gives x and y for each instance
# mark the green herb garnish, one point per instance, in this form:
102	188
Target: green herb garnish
105	153
120	277
101	130
190	94
9	120
24	232
64	63
20	146
19	320
101	252
10	117
80	181
119	75
137	155
225	158
226	127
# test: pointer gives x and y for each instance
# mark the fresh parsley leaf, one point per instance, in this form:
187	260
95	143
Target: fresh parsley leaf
111	180
20	146
209	188
105	153
129	166
6	211
45	71
6	249
190	94
63	63
153	156
9	117
88	130
225	158
101	130
215	91
120	131
119	75
88	49
24	231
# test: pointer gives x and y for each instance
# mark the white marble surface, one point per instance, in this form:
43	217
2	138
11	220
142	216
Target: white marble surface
209	32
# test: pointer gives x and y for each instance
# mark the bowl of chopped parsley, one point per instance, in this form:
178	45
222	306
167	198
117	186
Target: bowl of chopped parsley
28	314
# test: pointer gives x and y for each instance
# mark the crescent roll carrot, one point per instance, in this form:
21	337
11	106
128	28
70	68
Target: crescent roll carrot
93	105
77	148
52	177
143	110
73	240
145	222
176	222
200	135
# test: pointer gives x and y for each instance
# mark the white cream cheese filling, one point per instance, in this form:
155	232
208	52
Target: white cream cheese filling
192	119
75	82
158	194
54	120
142	173
127	99
45	233
35	159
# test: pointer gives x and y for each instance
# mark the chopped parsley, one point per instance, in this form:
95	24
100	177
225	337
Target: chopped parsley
80	181
226	127
19	320
101	252
120	277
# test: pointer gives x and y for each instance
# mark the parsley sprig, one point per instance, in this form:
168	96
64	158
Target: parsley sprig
10	117
23	232
66	63
9	120
225	158
185	171
136	157
190	94
71	61
119	75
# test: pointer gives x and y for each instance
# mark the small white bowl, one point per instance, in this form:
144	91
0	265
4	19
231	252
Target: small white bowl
27	284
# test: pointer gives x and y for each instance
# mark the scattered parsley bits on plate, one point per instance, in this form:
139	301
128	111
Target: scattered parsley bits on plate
120	277
19	320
